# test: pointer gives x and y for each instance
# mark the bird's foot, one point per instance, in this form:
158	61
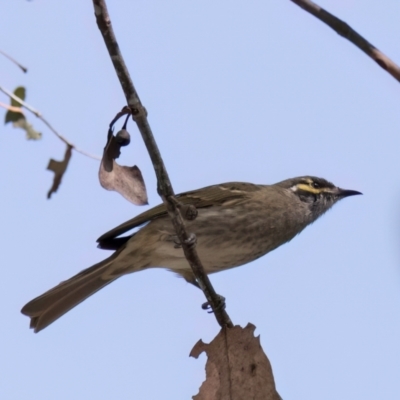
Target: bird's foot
221	305
191	240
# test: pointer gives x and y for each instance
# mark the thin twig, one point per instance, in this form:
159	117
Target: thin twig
11	108
25	70
165	189
39	115
350	34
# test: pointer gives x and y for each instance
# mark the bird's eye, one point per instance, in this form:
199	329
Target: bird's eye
315	185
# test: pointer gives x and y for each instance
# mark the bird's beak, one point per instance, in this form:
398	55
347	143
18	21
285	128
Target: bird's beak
342	193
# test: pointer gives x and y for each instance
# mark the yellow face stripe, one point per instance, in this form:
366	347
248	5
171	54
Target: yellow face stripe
310	189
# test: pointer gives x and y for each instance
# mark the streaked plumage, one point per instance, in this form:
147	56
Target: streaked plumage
236	224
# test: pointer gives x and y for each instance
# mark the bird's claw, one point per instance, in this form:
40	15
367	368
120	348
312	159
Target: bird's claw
221	305
191	240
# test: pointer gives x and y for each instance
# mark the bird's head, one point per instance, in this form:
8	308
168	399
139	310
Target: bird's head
317	193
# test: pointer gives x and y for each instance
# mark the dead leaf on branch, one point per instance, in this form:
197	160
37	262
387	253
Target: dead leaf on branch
18	118
59	168
31	133
20	92
237	367
127	181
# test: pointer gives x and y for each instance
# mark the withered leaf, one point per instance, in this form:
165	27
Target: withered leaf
18	118
31	133
237	367
20	92
127	181
59	168
13	116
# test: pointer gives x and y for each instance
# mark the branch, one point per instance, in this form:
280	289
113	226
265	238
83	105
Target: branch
350	34
164	185
11	108
24	69
39	115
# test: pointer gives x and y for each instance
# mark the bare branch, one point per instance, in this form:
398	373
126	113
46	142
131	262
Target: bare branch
350	34
165	189
11	108
39	115
24	69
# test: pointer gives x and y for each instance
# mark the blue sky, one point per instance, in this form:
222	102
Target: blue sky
256	91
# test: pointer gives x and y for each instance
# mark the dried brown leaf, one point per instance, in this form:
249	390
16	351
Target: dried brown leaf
31	132
237	367
127	181
59	168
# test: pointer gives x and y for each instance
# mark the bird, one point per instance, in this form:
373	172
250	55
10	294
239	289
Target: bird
236	223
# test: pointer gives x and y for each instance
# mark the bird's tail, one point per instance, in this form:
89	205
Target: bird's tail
54	303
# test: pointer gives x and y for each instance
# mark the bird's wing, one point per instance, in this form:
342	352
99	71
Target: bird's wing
201	198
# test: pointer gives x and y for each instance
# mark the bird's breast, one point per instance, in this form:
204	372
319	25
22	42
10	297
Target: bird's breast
228	237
